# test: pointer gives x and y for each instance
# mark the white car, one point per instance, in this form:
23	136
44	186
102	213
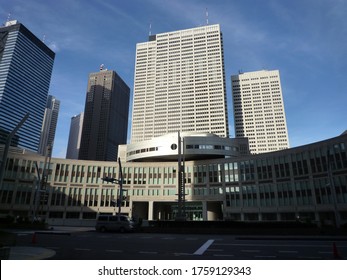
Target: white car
119	223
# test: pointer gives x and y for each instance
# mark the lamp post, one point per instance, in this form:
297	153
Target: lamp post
120	183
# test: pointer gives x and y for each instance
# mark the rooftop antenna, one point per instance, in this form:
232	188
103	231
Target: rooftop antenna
44	38
206	16
150	29
8	17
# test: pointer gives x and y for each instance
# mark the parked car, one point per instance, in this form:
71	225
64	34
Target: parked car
119	223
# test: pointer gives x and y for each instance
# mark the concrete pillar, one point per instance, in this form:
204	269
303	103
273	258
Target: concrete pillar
204	210
150	210
260	216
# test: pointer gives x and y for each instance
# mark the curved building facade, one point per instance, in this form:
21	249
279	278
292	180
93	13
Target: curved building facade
309	182
193	146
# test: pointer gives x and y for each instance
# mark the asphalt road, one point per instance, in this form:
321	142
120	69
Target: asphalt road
92	245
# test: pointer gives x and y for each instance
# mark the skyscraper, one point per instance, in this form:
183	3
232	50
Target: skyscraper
73	146
180	84
26	65
105	123
49	125
259	110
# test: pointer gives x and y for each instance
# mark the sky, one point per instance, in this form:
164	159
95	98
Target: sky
306	40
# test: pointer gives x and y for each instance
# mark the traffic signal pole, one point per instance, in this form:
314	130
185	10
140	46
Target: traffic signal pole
120	182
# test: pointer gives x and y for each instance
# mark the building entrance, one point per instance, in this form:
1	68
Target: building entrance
169	211
166	211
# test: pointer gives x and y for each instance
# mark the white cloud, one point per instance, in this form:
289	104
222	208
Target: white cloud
53	46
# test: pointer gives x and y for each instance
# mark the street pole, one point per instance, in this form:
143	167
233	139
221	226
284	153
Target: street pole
120	182
181	215
7	146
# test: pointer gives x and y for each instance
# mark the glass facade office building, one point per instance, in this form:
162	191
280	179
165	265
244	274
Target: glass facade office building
26	65
105	121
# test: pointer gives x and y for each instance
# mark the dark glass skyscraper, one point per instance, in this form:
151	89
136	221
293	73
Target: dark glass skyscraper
26	65
105	124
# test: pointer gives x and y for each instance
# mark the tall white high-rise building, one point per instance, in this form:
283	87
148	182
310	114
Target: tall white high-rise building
73	146
180	84
259	110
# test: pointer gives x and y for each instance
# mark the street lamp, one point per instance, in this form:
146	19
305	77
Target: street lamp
120	183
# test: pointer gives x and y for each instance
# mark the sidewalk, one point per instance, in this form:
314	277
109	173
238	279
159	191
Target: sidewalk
30	253
37	253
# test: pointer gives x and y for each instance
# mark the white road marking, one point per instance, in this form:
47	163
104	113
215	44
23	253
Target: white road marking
204	247
183	254
114	251
250	251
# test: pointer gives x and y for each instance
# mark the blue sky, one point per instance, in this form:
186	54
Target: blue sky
305	39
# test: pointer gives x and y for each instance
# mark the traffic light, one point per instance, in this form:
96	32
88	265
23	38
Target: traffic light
108	179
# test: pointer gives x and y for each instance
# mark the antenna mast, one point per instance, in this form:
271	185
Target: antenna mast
206	16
